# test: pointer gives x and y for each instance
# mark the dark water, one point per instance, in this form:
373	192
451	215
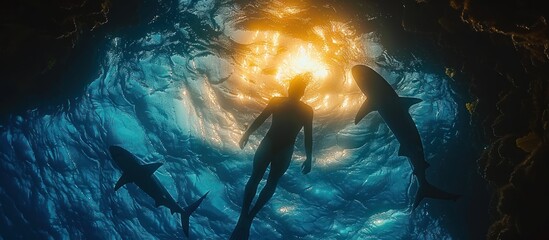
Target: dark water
174	89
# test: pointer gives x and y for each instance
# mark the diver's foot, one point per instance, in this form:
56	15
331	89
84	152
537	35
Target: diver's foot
242	229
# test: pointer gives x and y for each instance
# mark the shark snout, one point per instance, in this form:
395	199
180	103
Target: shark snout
114	149
356	70
118	153
361	75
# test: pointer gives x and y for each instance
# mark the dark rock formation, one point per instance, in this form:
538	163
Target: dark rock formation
47	46
506	69
37	39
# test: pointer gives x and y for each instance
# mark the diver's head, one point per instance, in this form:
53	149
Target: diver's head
298	85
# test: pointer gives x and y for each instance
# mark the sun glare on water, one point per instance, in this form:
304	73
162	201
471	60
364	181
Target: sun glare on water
271	60
304	59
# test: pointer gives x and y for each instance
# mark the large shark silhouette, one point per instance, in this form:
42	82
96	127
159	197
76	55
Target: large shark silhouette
143	177
394	110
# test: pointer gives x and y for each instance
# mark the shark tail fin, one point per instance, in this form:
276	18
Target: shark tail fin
187	213
427	190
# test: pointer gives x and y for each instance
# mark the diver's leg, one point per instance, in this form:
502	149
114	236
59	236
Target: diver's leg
279	165
261	161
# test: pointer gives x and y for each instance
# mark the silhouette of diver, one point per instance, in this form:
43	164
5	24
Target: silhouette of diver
289	116
394	110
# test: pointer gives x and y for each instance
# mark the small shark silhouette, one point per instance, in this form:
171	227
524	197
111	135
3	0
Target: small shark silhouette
143	177
394	110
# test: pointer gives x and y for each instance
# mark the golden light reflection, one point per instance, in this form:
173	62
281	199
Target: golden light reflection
332	157
283	10
286	209
304	59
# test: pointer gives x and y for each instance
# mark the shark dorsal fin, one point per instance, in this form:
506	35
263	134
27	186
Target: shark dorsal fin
161	202
407	102
123	180
149	169
366	107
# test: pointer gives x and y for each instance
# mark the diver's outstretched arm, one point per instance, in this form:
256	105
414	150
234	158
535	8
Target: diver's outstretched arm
308	130
257	122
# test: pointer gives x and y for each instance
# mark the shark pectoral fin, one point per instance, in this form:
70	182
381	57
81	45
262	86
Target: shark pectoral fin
123	180
407	102
402	152
149	169
366	108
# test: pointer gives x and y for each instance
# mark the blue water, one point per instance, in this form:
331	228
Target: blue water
165	93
